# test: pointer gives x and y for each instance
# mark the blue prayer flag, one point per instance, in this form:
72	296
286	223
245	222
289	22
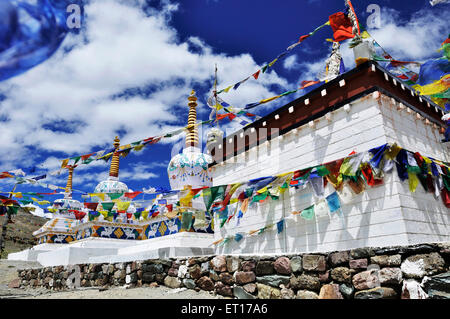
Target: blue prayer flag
333	202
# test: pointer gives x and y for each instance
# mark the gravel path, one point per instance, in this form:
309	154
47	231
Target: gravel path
8	272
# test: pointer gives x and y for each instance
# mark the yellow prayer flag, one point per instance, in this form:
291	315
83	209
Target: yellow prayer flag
35	199
139	147
44	202
171	214
273	62
365	35
228	88
269	99
64	163
262	190
393	151
253	231
436	87
123	205
99	195
413	182
125	146
145	214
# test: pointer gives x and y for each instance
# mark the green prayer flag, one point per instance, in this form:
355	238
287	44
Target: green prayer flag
114	195
308	213
26	202
413	169
76	159
137	215
322	170
88	161
248	192
186	220
265	68
108	206
261	196
212	194
12	210
288	92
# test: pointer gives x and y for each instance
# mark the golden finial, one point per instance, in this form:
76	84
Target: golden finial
114	169
116	142
192	135
68	189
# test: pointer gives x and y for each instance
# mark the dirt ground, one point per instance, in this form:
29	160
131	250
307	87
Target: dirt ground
8	272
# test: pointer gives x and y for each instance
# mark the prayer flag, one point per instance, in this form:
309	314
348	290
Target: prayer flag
280	226
333	202
132	195
123	206
186	220
114	196
342	26
308	213
108	206
91	206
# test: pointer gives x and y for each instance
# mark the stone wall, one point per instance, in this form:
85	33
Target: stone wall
418	271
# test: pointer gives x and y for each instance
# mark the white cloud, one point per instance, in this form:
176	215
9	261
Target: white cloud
81	91
417	38
291	62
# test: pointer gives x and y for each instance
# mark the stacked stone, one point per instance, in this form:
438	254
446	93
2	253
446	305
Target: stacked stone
419	271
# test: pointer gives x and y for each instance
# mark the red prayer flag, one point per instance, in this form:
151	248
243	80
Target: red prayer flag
8	202
445	194
85	157
256	74
79	215
5	175
305	84
368	175
91	206
132	195
303	37
231	116
155	213
342	27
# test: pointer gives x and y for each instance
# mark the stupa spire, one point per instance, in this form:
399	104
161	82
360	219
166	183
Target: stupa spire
68	189
192	133
114	169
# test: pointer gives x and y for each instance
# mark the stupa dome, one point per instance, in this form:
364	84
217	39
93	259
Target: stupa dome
111	186
189	168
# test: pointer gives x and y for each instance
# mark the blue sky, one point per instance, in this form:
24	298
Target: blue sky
130	69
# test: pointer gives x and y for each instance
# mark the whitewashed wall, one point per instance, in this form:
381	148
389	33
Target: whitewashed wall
381	216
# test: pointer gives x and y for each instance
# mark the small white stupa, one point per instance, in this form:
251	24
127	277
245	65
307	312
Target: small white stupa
59	230
112	184
190	168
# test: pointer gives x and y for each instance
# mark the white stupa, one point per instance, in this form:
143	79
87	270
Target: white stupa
60	228
190	168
